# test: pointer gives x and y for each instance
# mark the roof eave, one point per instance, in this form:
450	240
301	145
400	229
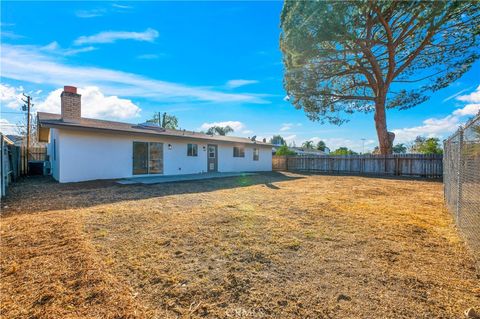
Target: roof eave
56	124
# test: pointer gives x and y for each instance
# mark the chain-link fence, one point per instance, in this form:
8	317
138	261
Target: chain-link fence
461	176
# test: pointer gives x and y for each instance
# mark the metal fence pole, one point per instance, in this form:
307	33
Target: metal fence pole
459	176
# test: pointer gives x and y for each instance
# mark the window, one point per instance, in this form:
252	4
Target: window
256	154
192	150
238	151
54	149
212	151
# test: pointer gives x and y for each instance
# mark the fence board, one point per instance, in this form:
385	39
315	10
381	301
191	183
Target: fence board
415	165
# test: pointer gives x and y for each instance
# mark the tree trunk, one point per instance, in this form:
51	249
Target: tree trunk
384	140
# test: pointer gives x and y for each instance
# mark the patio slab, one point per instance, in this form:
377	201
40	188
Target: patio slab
178	178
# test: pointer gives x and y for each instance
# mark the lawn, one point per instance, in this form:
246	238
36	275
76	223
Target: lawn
273	245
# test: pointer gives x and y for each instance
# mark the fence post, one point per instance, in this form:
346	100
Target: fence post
459	176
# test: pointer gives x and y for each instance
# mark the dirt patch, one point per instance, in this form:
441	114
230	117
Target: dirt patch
267	246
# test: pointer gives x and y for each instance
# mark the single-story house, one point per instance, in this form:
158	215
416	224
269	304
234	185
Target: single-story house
81	149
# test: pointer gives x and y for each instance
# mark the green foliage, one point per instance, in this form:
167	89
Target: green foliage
219	130
284	150
343	151
278	140
308	145
321	146
342	57
165	120
425	145
399	149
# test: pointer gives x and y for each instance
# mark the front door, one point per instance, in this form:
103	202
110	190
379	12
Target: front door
212	158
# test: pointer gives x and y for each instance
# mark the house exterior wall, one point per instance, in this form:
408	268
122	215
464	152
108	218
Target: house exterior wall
84	155
53	154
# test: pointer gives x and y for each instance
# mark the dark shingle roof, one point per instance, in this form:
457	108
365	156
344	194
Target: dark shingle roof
55	120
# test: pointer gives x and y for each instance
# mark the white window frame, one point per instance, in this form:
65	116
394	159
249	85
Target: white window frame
240	152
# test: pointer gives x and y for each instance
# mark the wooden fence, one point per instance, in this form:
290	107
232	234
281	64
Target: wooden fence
414	165
35	153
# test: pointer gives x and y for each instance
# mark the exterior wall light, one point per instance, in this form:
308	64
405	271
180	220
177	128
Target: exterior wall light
169	146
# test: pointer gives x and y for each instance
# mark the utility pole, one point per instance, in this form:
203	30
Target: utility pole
28	101
363	146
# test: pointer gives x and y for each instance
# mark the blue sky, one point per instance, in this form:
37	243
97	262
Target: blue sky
205	62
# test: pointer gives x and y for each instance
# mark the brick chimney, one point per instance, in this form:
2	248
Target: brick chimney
71	104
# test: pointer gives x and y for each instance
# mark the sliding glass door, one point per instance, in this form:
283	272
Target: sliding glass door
155	160
147	158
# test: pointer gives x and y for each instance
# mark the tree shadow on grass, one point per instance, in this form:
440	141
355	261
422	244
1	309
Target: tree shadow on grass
40	194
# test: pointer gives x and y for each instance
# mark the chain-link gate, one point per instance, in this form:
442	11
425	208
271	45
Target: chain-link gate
461	177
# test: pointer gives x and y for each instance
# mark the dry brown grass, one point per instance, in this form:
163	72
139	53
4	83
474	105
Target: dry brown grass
267	246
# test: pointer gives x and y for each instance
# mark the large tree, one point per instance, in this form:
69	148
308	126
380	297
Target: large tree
307	145
425	145
342	57
278	140
220	130
165	120
321	146
343	151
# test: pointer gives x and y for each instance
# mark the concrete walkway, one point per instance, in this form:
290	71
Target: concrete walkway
178	178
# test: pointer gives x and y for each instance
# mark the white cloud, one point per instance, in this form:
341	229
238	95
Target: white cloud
94	104
236	125
440	127
473	97
238	83
469	109
290	139
29	64
432	127
8	128
289	126
55	48
148	35
11	96
454	95
121	6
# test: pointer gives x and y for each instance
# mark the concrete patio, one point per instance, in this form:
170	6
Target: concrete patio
178	178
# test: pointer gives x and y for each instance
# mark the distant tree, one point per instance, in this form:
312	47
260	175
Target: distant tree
219	130
307	145
399	149
284	150
278	140
342	57
165	120
343	151
425	145
321	146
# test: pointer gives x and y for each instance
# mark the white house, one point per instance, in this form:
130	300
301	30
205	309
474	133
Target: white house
83	149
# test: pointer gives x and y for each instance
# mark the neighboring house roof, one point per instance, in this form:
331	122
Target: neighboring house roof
301	150
16	139
55	121
7	140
